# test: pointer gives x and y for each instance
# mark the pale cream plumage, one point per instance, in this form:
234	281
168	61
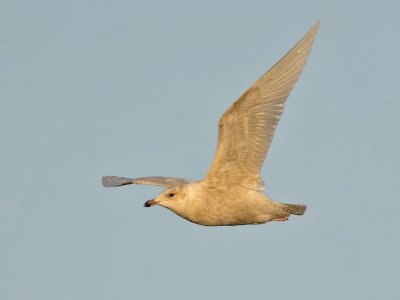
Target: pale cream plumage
247	127
231	194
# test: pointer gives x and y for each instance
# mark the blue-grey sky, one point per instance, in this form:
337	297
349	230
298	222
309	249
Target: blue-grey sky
136	88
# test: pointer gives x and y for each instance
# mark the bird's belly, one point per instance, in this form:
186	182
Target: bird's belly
234	212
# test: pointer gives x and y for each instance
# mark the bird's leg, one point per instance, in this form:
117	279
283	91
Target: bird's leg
281	218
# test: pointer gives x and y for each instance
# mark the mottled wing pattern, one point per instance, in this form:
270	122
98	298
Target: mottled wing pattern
167	182
247	127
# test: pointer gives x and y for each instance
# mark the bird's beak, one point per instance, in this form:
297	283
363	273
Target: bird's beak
149	203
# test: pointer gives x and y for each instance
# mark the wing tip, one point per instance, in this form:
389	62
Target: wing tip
106	181
114	181
314	29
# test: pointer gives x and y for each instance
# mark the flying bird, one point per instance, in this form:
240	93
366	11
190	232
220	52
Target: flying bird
232	191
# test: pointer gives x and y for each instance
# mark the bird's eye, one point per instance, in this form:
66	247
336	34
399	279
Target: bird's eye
171	194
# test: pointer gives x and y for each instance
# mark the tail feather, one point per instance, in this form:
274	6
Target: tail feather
295	209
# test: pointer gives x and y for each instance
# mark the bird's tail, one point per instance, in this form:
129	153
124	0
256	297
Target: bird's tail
295	209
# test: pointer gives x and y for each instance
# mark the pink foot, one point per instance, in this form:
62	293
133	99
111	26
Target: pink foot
281	218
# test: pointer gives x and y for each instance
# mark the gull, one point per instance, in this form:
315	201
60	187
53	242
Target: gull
232	191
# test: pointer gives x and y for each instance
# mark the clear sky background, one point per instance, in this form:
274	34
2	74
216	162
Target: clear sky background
136	88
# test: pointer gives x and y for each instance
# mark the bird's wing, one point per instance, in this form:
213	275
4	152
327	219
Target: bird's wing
167	182
247	127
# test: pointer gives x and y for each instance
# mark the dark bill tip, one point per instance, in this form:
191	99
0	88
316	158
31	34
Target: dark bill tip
149	203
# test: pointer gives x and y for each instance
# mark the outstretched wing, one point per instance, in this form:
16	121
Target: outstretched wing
167	182
247	127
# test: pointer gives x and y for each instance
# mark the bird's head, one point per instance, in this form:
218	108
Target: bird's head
178	199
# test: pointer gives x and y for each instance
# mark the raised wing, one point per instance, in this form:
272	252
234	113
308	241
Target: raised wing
167	182
247	127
